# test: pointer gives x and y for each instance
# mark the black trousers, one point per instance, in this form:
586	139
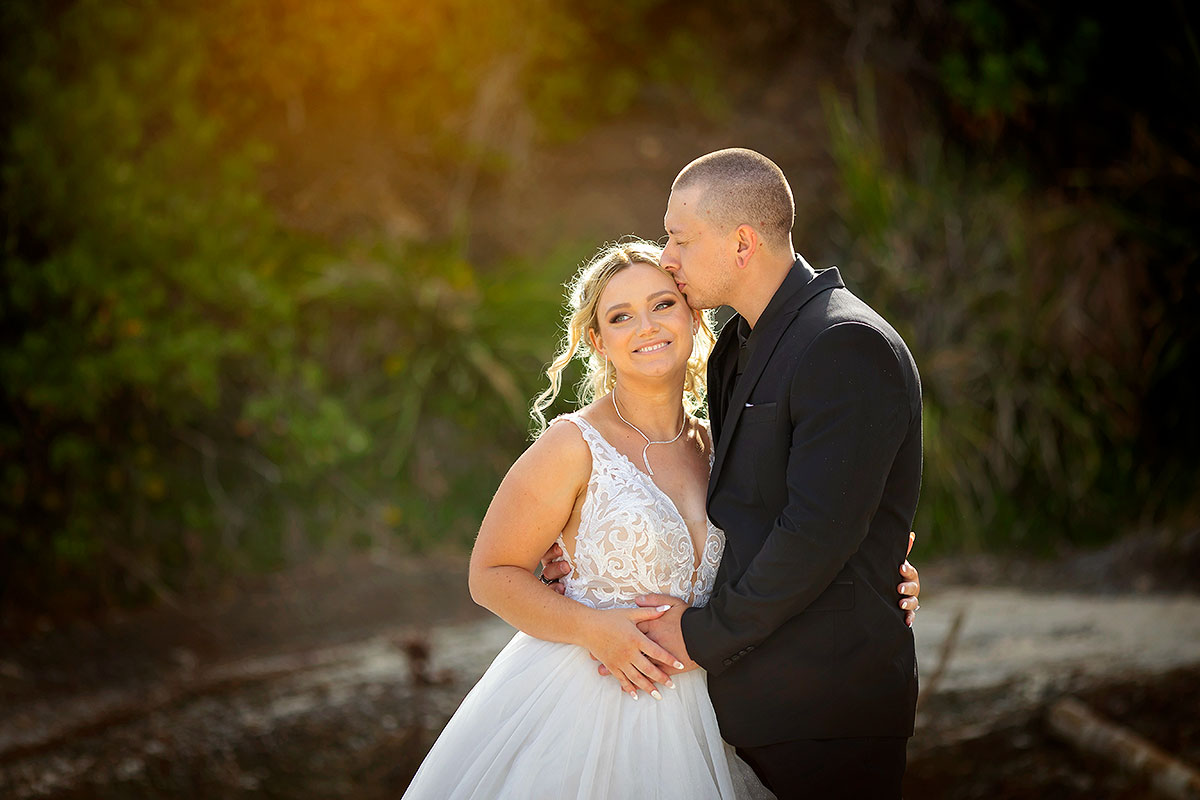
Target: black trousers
817	769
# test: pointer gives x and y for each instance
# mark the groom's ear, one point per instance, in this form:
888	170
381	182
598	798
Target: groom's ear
747	245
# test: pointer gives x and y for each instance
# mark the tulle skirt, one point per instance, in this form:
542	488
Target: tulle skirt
542	723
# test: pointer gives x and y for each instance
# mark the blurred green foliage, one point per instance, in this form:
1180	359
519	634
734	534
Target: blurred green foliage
1023	313
192	384
190	387
1001	66
1090	115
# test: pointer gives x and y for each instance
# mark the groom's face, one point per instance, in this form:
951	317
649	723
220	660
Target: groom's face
697	253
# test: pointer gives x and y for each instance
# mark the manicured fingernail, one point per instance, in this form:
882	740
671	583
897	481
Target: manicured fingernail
663	608
656	695
669	684
678	665
633	695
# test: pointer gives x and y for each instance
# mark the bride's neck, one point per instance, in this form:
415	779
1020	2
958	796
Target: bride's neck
656	411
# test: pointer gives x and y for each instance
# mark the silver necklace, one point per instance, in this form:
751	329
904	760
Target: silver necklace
645	457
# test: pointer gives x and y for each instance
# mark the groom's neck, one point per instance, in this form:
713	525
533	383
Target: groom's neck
762	279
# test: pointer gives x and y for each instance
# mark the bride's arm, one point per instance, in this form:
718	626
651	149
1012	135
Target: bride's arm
531	508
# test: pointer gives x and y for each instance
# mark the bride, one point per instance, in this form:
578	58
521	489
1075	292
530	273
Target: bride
620	488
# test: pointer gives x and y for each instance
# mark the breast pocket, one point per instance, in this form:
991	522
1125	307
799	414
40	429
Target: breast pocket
759	413
761	456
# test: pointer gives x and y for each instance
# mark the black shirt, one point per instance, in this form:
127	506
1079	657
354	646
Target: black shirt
800	274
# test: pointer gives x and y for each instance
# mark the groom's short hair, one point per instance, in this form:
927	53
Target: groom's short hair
742	187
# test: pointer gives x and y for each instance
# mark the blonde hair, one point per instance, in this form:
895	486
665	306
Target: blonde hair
583	300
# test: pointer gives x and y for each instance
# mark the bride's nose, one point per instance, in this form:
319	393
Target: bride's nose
646	325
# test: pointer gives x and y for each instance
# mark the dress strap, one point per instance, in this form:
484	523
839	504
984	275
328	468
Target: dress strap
585	427
595	443
595	440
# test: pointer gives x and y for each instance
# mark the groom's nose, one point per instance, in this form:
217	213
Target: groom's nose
668	260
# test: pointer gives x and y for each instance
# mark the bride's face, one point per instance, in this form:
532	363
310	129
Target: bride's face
645	323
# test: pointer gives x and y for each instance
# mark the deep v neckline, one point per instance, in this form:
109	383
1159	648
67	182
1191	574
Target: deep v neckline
697	552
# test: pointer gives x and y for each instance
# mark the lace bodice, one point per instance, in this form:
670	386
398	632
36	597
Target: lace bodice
632	539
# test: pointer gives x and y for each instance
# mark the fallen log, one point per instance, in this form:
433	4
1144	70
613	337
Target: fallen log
1082	728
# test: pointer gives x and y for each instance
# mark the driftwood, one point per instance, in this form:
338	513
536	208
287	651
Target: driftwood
948	645
19	737
1087	731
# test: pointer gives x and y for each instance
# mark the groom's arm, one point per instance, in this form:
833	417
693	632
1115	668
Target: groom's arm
851	410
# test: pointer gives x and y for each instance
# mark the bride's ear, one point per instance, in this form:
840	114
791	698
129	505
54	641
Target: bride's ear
595	341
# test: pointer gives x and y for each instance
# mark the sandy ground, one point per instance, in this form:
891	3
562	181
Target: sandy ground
1038	639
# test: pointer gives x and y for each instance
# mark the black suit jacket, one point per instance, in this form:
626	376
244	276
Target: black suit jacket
815	483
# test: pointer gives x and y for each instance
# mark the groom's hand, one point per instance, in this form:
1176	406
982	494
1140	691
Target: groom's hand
554	567
666	631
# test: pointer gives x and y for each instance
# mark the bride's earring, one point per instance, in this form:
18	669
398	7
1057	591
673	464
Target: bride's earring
606	370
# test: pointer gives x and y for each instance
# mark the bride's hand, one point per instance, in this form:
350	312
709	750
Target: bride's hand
910	590
614	640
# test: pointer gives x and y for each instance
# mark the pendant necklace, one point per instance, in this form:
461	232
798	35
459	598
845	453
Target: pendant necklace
645	450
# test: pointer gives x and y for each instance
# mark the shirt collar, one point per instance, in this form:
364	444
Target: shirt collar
798	276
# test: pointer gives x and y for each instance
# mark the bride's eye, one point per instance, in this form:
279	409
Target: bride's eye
664	304
618	318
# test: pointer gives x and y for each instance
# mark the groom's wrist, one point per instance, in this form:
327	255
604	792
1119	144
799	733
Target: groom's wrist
692	625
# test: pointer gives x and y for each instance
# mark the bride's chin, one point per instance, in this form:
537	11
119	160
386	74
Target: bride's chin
667	374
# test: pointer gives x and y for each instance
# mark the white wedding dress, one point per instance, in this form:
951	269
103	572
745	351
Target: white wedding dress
542	723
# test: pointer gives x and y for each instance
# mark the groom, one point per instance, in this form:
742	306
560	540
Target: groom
815	411
815	408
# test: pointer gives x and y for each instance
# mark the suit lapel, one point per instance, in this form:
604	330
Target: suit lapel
718	368
801	286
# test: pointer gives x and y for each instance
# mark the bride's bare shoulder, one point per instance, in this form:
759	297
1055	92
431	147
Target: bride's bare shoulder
560	452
